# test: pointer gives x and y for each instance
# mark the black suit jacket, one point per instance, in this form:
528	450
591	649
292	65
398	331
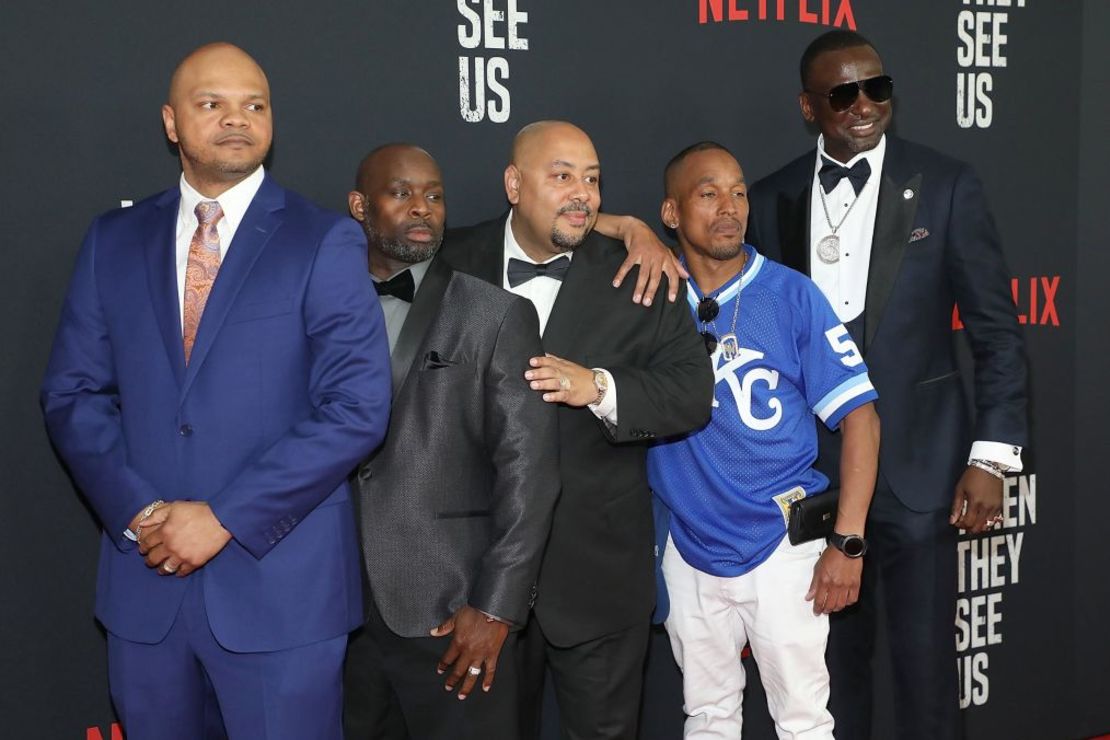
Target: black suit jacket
935	244
597	574
456	505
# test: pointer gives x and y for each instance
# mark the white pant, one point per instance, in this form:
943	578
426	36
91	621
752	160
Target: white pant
710	620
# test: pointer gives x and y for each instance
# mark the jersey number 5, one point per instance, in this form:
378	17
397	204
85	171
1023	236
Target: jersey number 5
843	345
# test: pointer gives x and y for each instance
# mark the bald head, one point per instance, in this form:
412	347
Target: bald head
540	135
553	183
399	202
389	160
216	59
218	114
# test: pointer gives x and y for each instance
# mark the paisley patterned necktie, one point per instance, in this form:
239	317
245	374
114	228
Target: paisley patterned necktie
200	273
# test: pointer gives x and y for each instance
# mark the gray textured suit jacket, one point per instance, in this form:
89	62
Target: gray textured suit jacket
456	505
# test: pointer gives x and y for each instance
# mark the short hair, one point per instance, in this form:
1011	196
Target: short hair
676	160
363	170
834	40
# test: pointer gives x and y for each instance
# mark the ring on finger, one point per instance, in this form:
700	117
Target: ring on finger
473	670
563	382
169	568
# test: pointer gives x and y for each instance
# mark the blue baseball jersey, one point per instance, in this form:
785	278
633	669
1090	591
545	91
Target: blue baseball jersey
729	485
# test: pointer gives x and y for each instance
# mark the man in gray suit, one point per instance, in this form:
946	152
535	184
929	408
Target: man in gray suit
456	505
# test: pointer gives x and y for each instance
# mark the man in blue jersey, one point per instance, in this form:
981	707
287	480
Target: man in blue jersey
780	356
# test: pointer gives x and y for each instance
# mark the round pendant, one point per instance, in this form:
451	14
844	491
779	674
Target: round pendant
828	249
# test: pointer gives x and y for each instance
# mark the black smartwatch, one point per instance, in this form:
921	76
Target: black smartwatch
852	545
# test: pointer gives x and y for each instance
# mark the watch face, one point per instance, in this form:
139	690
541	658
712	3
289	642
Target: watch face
852	546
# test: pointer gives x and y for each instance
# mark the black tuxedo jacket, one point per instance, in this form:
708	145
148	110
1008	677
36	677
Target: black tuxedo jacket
597	574
935	245
456	505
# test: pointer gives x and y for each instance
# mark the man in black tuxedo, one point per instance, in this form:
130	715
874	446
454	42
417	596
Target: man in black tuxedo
456	505
621	375
895	234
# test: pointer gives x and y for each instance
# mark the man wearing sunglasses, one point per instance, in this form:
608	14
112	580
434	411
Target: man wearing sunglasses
781	357
895	234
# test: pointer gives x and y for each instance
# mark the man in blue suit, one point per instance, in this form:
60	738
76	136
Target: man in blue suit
219	368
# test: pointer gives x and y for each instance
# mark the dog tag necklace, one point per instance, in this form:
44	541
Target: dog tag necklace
828	248
729	343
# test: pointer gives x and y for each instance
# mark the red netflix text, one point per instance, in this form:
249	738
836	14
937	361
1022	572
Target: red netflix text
1035	298
822	12
93	733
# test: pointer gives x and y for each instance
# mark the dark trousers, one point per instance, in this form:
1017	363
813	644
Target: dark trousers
393	692
598	684
913	556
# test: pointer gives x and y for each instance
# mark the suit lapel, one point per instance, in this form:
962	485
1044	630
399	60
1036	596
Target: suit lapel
425	306
564	325
262	219
161	269
489	252
899	193
793	213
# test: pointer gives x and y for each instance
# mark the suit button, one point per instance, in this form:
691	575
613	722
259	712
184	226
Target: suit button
185	430
365	474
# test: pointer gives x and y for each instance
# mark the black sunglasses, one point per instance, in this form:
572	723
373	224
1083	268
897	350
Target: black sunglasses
878	89
707	309
710	342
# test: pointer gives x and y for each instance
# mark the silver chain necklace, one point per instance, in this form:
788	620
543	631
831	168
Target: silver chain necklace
828	248
729	343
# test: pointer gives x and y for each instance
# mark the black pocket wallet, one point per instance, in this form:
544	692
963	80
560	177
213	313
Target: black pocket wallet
813	517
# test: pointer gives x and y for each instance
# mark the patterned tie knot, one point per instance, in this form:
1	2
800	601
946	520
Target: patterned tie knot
208	212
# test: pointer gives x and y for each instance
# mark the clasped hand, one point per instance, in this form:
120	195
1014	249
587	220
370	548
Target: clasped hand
179	537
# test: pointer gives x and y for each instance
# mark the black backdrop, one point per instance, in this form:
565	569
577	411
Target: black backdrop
80	132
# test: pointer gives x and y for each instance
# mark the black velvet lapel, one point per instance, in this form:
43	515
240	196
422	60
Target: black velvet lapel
425	305
899	193
793	214
572	305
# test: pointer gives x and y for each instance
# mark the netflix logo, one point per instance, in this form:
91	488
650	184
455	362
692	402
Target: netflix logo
94	733
1035	298
819	12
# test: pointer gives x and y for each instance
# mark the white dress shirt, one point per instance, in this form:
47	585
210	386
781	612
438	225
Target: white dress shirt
844	282
234	202
542	291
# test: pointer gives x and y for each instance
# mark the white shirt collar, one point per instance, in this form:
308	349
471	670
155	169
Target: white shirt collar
234	201
873	156
513	248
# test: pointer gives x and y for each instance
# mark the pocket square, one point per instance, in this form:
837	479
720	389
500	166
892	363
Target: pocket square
918	234
434	361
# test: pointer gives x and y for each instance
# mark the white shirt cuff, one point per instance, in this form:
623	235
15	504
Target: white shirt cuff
1008	457
607	409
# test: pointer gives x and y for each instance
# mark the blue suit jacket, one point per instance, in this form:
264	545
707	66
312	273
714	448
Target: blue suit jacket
935	244
286	391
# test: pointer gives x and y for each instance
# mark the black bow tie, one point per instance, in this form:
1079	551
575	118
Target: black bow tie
400	286
832	173
521	271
